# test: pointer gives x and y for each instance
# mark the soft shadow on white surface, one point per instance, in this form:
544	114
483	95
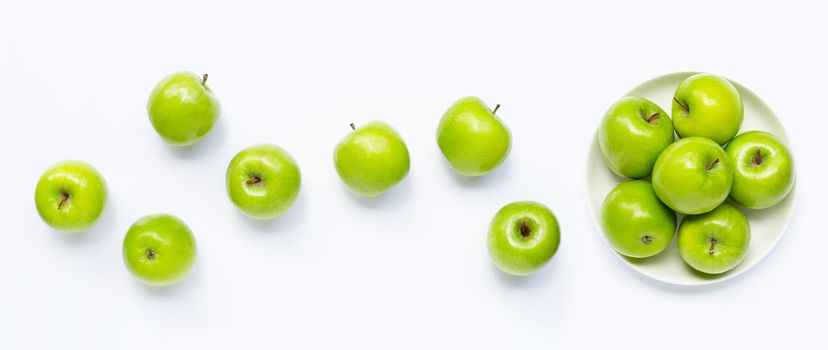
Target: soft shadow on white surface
209	145
104	229
497	177
286	222
539	279
391	198
185	286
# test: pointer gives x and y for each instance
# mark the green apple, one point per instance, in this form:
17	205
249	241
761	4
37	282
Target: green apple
632	135
70	196
182	108
263	181
159	249
763	173
472	138
635	221
714	242
693	175
708	106
523	236
372	159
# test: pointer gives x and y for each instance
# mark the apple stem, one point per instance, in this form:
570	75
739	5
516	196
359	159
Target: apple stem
254	179
758	159
712	165
713	242
150	254
204	79
683	107
653	117
497	106
353	127
64	198
525	230
647	239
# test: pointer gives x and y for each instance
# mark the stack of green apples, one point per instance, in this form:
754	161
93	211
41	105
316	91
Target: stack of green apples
693	174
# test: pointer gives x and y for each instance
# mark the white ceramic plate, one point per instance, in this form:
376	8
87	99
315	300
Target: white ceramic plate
767	225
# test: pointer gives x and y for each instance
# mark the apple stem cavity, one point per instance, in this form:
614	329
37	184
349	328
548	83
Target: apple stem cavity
254	180
653	118
150	254
758	158
64	197
204	79
713	242
712	165
646	239
682	105
525	230
353	127
497	106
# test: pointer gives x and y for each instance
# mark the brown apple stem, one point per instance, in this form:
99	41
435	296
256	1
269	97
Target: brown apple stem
653	117
712	165
204	79
353	127
64	198
525	230
713	242
497	106
758	159
254	179
683	107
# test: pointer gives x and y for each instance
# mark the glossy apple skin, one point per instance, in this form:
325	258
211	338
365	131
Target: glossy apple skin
635	221
472	138
182	108
70	196
682	180
159	249
714	242
523	237
372	159
708	106
263	181
763	179
632	135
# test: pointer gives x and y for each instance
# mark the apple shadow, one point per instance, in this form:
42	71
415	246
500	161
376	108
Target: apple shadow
693	289
184	286
500	175
291	219
535	280
104	229
209	145
393	197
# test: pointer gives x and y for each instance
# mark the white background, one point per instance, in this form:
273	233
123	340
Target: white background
409	269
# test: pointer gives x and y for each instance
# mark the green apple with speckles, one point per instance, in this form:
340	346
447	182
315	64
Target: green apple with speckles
182	109
632	135
635	222
159	249
763	169
693	175
472	138
714	242
708	106
70	196
263	181
523	237
372	159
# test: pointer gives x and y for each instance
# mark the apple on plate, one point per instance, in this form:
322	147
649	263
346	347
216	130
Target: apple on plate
763	169
635	222
472	138
708	106
372	159
632	135
523	236
263	181
693	175
159	249
182	109
70	196
714	242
